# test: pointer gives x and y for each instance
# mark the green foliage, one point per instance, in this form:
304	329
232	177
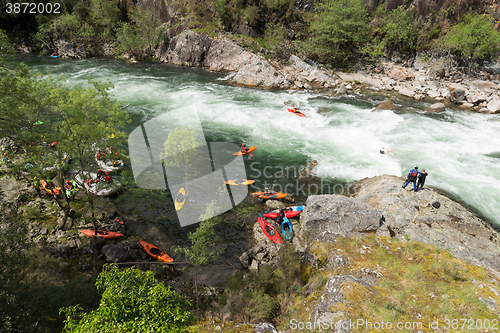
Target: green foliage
399	31
132	301
139	37
253	15
373	50
340	27
473	38
182	151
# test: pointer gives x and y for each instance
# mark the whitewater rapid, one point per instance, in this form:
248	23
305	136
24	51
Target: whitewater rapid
460	150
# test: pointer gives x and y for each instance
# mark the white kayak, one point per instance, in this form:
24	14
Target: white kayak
100	188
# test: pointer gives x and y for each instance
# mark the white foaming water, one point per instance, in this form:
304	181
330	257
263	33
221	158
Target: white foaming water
458	149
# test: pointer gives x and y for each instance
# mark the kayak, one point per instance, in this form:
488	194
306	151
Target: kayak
154	251
300	114
53	56
244	182
269	195
286	228
269	230
251	149
102	233
100	188
50	187
179	203
289	212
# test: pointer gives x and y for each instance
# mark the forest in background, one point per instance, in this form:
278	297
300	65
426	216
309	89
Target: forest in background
335	33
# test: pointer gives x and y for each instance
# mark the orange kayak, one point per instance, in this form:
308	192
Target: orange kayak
243	182
154	251
101	233
269	195
249	150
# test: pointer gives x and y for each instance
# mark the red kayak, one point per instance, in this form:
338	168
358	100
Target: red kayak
102	233
300	114
269	231
289	212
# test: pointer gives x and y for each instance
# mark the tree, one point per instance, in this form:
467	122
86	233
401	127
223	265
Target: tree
338	29
132	301
399	31
472	39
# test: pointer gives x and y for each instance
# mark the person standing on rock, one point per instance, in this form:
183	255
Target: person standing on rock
421	180
412	177
280	216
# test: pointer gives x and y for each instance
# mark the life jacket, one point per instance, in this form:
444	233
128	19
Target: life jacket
243	149
108	179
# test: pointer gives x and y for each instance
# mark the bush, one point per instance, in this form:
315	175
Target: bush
339	29
399	30
472	39
132	301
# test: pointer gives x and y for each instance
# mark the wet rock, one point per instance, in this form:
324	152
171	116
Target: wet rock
338	215
256	249
342	90
44	231
436	108
386	105
308	172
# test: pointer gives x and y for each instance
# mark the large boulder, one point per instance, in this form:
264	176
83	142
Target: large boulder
400	74
431	218
493	106
338	215
386	105
226	56
436	108
258	73
188	49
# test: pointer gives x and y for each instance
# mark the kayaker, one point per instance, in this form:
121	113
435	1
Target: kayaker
180	197
421	180
238	180
412	177
36	184
55	54
295	110
100	175
384	150
244	148
280	216
108	178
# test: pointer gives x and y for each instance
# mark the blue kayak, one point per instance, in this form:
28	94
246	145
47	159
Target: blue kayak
53	56
286	228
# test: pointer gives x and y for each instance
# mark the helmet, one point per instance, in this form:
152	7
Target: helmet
5	154
416	167
34	178
67	181
98	170
242	144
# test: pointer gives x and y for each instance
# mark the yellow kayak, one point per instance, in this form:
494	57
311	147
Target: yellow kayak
179	202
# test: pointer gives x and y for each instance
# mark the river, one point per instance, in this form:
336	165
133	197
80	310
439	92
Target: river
460	150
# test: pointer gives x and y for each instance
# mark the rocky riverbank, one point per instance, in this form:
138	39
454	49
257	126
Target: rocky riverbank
425	78
436	80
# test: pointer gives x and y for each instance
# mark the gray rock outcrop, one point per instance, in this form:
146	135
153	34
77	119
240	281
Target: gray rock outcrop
338	215
450	226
